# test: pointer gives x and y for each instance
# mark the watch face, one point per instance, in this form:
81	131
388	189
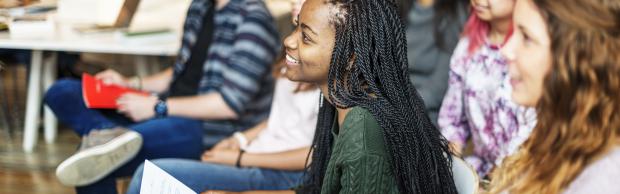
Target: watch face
161	109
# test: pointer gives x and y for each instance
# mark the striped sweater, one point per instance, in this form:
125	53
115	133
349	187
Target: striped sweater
238	62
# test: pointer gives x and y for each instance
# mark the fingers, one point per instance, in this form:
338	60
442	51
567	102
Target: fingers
123	106
122	103
226	144
219	146
234	144
105	74
109	77
135	106
124	110
126	99
456	148
127	96
206	156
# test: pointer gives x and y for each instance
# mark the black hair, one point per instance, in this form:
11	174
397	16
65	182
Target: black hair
369	69
446	14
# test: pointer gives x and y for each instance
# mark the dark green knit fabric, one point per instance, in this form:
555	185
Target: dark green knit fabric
359	161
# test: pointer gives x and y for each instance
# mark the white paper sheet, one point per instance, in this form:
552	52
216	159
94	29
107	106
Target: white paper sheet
157	181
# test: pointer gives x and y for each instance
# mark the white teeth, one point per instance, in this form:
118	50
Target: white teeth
291	59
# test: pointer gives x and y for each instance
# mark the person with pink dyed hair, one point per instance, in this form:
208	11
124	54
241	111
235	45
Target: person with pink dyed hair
478	104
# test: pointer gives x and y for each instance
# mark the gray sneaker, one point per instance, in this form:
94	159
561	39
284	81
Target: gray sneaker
101	152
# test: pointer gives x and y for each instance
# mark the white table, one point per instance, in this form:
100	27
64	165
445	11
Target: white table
66	39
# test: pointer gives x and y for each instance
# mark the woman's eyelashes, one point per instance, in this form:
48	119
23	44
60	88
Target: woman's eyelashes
305	38
526	39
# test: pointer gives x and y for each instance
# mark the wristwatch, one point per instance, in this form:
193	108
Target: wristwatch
161	108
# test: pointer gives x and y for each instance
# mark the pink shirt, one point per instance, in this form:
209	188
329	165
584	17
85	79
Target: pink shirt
599	177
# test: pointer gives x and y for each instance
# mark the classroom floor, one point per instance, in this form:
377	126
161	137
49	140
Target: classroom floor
20	172
33	173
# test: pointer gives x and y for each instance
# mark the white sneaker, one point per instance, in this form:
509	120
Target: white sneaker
101	152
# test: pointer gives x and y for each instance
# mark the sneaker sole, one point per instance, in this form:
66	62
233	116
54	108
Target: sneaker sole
92	164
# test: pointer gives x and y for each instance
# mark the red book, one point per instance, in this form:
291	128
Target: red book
98	95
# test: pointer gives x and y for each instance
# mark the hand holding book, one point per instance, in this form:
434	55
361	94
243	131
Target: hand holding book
98	94
137	107
111	77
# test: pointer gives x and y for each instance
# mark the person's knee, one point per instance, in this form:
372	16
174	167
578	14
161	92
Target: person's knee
136	181
62	89
138	173
186	143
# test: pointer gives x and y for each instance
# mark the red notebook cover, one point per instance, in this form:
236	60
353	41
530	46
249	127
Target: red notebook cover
98	95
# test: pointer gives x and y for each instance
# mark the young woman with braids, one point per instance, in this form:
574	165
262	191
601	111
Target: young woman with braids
565	61
373	134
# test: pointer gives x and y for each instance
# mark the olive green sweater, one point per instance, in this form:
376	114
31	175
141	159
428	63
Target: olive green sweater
359	161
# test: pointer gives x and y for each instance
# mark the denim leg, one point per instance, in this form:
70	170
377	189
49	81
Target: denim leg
65	99
18	56
201	176
171	137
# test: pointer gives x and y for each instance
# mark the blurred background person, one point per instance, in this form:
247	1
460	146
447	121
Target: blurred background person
564	61
433	30
221	83
477	105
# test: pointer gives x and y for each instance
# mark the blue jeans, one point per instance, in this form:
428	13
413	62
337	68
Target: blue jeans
171	137
16	55
202	176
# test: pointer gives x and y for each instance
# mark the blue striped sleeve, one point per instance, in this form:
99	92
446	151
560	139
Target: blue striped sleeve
253	52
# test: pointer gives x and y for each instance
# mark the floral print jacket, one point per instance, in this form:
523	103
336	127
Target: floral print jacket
478	105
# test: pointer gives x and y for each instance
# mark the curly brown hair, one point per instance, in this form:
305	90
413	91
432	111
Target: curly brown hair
579	112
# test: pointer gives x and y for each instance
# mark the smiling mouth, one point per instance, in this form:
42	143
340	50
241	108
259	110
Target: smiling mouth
291	61
481	7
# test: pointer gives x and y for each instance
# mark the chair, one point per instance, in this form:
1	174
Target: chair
465	178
